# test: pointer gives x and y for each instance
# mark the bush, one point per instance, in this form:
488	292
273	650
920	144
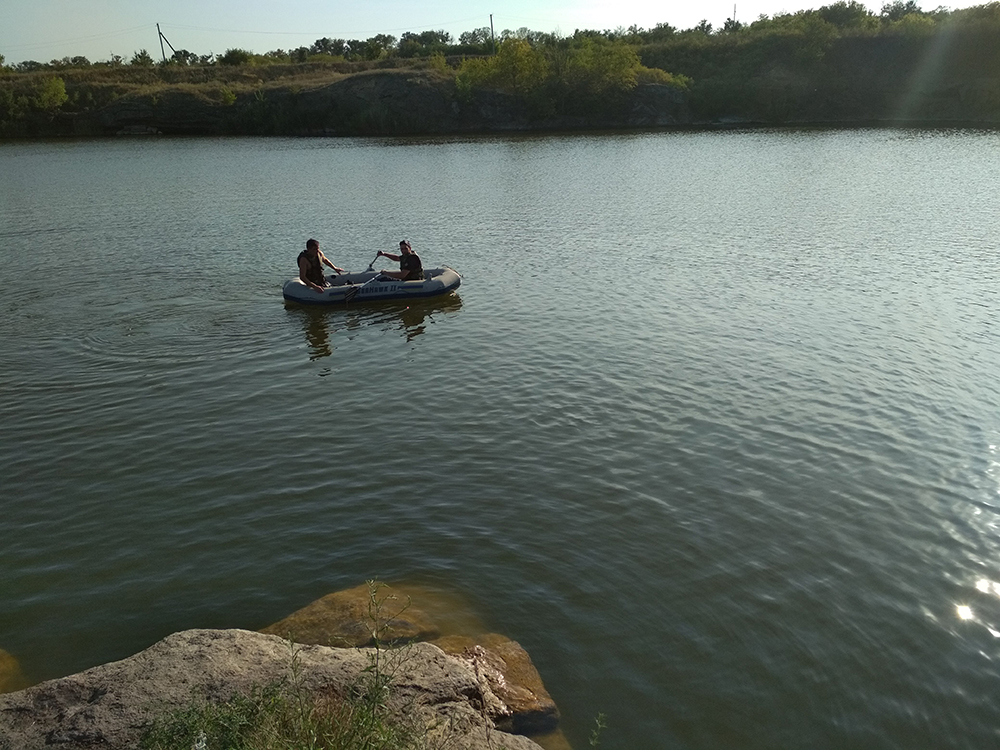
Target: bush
655	75
517	68
50	94
235	57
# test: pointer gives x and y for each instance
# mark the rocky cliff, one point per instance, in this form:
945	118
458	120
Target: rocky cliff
377	102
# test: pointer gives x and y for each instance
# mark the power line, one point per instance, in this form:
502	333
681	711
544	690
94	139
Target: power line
309	33
88	38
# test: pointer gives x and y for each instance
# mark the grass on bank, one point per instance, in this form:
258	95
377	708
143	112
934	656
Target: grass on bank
282	717
287	716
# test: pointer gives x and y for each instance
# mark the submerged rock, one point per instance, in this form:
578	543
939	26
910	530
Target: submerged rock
511	692
354	618
11	676
110	706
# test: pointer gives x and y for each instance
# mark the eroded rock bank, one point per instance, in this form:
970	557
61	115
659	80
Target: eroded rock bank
470	690
372	103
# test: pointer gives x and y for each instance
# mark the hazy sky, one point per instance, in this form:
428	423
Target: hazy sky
44	30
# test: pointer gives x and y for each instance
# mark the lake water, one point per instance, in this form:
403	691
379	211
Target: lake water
712	427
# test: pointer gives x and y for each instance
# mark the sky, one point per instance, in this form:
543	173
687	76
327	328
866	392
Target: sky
45	30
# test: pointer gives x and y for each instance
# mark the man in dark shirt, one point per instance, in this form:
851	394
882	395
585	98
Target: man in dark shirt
311	262
410	267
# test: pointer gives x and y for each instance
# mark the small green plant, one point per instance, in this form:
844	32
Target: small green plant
595	733
226	96
383	663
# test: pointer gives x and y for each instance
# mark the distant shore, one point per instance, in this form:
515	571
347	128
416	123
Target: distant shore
389	102
839	66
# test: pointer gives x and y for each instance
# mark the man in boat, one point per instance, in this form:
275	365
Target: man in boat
311	262
410	267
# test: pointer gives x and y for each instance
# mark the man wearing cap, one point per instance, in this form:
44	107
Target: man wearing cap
410	267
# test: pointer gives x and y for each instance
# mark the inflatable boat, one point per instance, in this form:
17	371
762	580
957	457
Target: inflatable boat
371	286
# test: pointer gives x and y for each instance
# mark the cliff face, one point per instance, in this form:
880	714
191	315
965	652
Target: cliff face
388	102
379	102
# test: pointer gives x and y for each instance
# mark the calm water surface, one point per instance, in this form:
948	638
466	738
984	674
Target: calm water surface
712	427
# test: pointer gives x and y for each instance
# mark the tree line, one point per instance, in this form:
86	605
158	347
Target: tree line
840	62
839	18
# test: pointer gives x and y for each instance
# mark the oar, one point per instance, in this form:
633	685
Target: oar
353	291
371	266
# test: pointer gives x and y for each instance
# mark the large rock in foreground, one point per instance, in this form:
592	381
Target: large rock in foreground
109	706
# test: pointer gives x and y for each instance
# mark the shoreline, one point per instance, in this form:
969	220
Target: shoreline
484	683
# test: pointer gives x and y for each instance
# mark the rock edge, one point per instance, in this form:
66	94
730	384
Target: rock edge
111	705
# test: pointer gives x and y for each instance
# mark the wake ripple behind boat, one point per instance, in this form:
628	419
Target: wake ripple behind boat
348	288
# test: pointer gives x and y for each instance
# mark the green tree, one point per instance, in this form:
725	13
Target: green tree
517	68
603	69
847	14
70	62
423	44
183	57
896	10
327	46
354	49
50	94
141	59
660	32
480	36
376	47
12	108
914	25
235	57
520	68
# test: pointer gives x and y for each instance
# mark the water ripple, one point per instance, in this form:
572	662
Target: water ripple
711	426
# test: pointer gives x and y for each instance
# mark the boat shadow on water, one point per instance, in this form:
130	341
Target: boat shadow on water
411	318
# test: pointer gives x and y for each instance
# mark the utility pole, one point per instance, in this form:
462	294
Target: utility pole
162	40
493	37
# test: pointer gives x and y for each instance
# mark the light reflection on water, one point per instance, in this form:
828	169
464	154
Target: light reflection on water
710	427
